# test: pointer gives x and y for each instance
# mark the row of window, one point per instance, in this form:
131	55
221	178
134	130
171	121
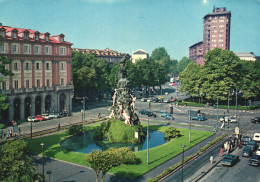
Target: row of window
37	65
27	49
28	83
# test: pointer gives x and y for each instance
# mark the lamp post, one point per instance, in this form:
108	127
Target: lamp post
228	101
217	115
42	144
236	103
183	146
148	136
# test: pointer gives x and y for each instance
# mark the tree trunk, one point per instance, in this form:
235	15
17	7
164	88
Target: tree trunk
103	177
97	174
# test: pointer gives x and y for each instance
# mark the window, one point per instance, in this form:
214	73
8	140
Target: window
16	66
16	84
48	83
61	39
15	48
62	81
62	66
37	49
47	66
26	49
27	66
25	36
36	36
3	85
38	83
4	48
47	50
46	38
62	50
27	84
2	33
38	66
14	35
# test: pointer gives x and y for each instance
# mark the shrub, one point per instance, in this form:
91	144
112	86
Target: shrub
76	130
101	132
171	133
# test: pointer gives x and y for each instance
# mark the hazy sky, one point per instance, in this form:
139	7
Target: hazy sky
128	25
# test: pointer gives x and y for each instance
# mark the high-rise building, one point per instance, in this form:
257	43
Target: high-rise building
216	33
42	80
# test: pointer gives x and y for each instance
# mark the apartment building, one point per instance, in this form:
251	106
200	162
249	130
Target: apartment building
41	65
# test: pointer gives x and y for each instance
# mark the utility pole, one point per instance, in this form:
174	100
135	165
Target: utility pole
189	127
217	115
236	103
148	136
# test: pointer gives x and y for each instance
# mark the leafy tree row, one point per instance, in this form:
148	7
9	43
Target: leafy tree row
223	74
91	73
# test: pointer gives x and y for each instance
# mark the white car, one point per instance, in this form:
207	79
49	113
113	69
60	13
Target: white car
232	119
53	115
47	116
32	119
258	151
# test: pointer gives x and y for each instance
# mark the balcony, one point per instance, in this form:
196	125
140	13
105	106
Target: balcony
40	89
28	90
49	88
18	91
65	87
5	92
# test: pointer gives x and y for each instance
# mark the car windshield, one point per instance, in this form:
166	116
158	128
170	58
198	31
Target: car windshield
228	157
251	143
245	138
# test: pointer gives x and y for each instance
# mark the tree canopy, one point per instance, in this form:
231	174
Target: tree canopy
222	73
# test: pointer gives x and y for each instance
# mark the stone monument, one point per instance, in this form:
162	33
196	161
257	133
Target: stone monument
123	107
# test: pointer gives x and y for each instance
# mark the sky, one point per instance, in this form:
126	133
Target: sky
128	25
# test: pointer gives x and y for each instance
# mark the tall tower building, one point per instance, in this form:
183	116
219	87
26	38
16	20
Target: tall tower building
216	33
216	30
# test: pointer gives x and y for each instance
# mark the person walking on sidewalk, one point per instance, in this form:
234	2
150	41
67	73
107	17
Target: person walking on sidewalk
211	159
221	152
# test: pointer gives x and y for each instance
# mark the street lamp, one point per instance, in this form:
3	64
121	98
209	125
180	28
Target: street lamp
42	144
183	146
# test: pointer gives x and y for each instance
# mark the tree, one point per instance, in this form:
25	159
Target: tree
89	72
15	164
182	64
3	71
159	53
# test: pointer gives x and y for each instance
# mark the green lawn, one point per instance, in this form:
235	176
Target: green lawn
157	155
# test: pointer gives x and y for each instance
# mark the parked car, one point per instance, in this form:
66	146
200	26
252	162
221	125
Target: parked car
40	118
253	145
174	99
254	160
167	101
247	151
255	120
229	160
256	137
169	117
245	140
258	151
166	93
143	99
143	111
151	114
232	119
32	119
65	113
155	100
149	100
55	115
47	116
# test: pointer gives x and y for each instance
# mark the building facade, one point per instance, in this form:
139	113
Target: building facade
247	56
107	54
216	33
42	80
196	53
139	54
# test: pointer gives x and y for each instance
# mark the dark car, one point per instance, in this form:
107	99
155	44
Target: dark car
255	120
143	111
229	160
254	160
247	151
65	113
151	114
253	145
155	100
245	140
169	117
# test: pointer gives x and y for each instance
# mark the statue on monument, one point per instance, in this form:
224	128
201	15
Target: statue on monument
123	102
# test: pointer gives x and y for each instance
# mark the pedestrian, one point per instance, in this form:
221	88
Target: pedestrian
11	133
211	159
7	134
19	130
99	115
221	152
59	127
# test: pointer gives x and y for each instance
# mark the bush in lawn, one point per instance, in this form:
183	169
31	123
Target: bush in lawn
171	133
119	132
125	155
102	130
76	130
